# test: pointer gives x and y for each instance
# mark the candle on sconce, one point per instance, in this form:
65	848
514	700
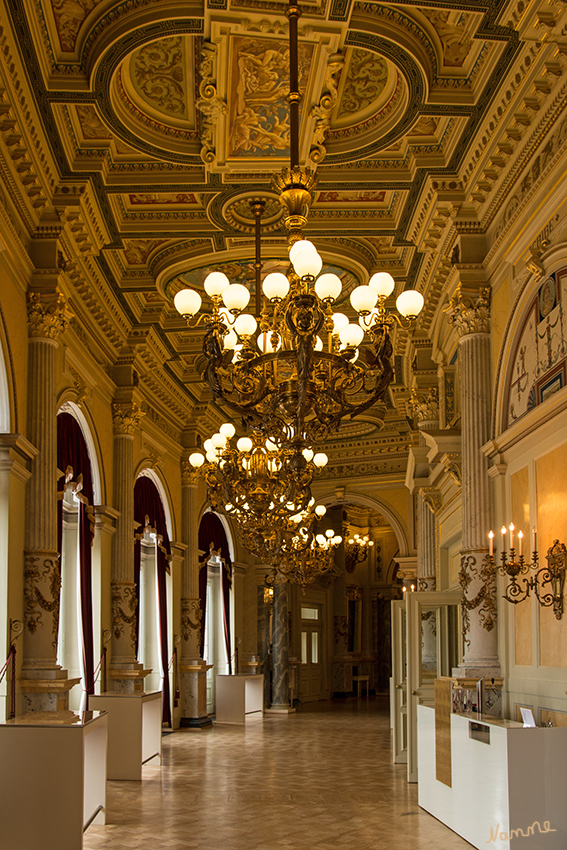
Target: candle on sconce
534	539
403	589
511	527
412	588
503	533
521	543
491	543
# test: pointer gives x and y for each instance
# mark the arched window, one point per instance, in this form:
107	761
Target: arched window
215	584
76	525
152	577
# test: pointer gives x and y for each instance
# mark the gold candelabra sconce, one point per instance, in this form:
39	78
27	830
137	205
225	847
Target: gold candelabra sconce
527	576
356	551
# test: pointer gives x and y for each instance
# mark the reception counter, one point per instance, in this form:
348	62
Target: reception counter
502	785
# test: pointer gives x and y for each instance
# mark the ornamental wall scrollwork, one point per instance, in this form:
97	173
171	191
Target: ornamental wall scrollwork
45	570
340	625
485	599
191	619
48	317
209	104
124	596
322	112
467	315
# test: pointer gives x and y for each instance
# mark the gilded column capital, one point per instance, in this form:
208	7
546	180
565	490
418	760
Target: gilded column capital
431	497
425	408
189	475
48	315
467	315
126	417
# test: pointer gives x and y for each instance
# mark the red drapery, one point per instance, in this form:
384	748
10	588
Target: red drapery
211	530
147	503
72	452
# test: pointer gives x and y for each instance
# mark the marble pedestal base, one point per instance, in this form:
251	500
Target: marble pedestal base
127	678
45	689
193	689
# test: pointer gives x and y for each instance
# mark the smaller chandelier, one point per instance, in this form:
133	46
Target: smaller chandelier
309	564
299	370
256	480
356	551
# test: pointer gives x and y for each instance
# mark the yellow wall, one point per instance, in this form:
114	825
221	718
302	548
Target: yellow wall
521	519
551	478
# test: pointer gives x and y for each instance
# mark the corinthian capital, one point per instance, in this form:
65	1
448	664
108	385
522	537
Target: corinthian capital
426	408
126	417
48	315
469	316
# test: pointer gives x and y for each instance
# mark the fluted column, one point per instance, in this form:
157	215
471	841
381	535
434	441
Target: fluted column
44	684
126	674
193	670
428	503
470	317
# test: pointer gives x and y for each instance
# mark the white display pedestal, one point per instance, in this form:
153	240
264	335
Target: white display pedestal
52	779
238	697
507	783
134	731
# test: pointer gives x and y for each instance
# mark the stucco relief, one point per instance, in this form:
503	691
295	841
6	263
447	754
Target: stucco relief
366	79
452	34
69	15
539	364
159	75
92	127
258	112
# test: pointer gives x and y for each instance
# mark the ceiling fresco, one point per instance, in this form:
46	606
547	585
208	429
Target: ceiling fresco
156	124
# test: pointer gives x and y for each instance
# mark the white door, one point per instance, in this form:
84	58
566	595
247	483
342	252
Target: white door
433	649
398	699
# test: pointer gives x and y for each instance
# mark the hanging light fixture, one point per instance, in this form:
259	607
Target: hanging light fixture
356	550
296	363
255	480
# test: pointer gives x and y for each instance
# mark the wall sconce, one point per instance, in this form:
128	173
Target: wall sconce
515	568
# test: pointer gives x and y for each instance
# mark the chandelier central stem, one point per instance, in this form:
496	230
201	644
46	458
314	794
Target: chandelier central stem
293	14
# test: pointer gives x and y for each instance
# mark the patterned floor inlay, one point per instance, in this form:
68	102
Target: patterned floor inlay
321	779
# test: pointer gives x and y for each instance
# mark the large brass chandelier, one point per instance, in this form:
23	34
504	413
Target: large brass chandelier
296	367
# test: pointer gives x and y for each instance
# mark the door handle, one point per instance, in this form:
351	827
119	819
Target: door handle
414	694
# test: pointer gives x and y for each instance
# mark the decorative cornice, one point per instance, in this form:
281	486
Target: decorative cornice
467	315
48	315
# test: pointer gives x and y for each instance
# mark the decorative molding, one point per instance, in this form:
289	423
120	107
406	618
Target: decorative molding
41	568
124	596
485	599
126	417
432	498
452	467
467	315
209	104
322	112
48	316
191	619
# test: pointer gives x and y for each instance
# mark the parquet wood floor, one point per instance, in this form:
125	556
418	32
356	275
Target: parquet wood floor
321	779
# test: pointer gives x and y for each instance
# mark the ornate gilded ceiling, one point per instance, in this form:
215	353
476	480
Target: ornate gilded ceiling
147	127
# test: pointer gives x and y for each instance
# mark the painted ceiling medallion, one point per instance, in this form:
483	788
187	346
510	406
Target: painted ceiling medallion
238	213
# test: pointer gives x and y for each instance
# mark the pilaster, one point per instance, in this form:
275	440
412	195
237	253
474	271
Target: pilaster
44	684
470	314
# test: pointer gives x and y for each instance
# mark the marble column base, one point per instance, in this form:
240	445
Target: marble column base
193	692
341	672
127	678
282	710
45	689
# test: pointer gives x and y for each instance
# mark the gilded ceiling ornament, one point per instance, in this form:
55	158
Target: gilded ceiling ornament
92	126
453	36
322	112
209	104
69	15
48	316
469	316
158	72
366	80
126	417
